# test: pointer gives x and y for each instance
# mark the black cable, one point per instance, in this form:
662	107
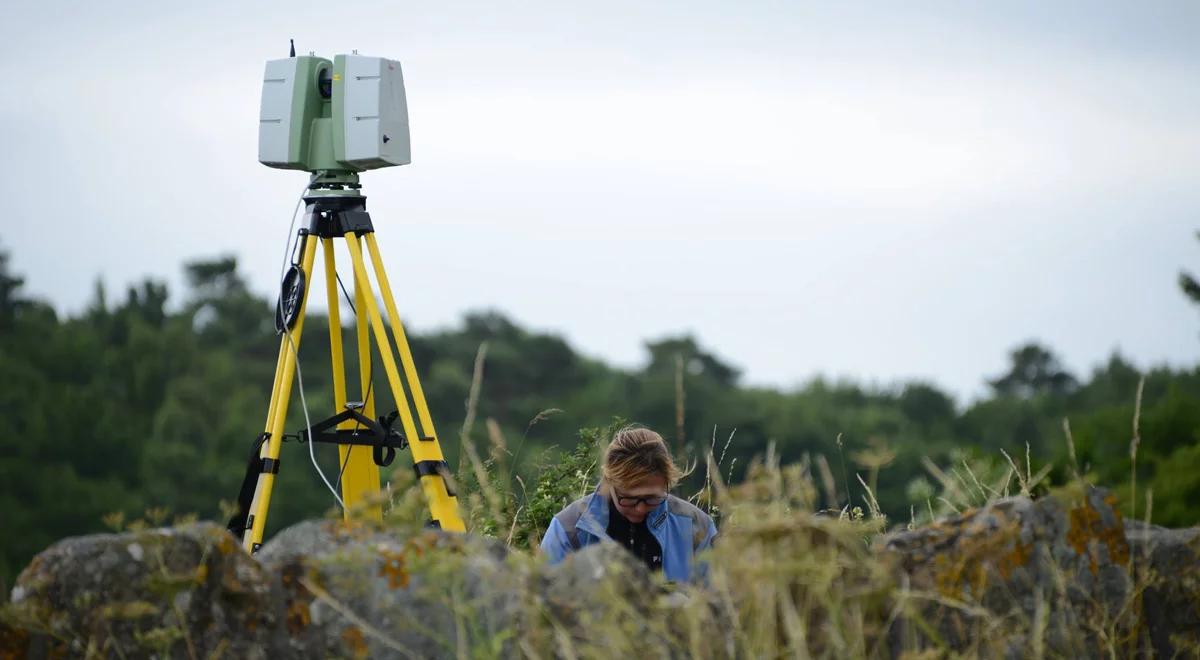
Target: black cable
370	383
289	251
345	292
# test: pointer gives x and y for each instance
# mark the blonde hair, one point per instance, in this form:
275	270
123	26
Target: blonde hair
636	454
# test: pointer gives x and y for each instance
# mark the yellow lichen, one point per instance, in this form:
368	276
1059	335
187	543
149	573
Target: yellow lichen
129	610
226	545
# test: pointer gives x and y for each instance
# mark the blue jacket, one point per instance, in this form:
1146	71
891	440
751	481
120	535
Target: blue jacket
680	528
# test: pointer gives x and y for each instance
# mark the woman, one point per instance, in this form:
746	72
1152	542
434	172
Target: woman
632	507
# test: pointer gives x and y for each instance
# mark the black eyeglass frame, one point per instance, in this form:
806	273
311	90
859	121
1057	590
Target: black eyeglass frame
631	501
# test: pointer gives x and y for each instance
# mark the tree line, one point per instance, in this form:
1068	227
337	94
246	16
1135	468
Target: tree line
144	406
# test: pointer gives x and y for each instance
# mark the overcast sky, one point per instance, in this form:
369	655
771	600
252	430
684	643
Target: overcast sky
884	193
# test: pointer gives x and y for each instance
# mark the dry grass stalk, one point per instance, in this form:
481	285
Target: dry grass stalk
680	401
464	435
1133	447
1021	479
1066	425
827	482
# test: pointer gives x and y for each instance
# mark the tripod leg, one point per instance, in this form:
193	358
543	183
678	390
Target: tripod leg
275	389
425	448
285	371
410	368
358	474
363	326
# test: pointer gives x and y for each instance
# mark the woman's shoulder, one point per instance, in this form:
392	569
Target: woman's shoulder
682	507
575	510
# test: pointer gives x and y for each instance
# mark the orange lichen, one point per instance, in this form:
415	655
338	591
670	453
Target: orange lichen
298	616
417	546
350	530
393	568
1019	556
14	643
953	576
356	641
978	556
1114	537
1087	526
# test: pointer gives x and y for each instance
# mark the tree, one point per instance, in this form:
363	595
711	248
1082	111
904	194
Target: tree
925	404
1189	285
10	301
1035	370
215	278
665	354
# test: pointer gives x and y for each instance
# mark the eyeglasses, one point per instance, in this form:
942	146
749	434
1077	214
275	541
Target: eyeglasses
631	501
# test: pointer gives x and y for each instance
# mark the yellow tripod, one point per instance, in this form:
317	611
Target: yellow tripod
339	212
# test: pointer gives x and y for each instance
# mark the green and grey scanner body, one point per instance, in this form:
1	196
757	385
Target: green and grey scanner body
346	116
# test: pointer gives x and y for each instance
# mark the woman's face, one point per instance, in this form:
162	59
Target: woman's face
635	501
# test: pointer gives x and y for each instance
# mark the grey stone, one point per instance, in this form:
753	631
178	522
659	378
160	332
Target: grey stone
353	590
1056	571
183	592
1169	561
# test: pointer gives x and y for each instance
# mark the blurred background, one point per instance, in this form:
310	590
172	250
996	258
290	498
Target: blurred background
935	230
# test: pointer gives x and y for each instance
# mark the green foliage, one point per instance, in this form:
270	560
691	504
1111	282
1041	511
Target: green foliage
495	507
566	479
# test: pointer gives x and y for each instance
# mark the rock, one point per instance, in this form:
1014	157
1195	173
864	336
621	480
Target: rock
317	589
183	592
601	587
1168	560
1058	576
584	580
356	590
1018	575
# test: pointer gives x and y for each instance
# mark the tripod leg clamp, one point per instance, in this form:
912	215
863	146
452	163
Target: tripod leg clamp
255	466
431	468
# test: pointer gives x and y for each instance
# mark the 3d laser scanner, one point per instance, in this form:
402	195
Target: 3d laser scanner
348	115
335	119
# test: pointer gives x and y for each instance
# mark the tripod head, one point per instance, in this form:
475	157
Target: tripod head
333	118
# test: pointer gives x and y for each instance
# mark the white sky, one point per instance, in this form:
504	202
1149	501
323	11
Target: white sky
871	192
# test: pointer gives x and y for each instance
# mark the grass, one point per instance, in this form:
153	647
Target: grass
786	579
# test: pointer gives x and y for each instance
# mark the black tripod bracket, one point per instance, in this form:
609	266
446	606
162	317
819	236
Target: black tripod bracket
378	435
241	519
438	468
334	215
